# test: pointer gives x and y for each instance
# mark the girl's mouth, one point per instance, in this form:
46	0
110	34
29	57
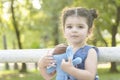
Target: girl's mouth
74	36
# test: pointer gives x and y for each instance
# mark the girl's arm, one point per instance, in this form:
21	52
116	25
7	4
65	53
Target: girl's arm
90	67
43	63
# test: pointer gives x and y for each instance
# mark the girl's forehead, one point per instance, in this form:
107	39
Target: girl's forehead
75	19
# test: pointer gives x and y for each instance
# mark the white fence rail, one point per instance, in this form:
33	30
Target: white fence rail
107	54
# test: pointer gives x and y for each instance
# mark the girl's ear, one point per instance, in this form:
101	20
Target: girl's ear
90	31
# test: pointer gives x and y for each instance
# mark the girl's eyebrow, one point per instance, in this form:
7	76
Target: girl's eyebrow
68	24
76	24
81	24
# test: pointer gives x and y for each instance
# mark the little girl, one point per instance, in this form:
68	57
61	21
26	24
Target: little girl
77	26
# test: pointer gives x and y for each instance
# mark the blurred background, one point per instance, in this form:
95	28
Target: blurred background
35	24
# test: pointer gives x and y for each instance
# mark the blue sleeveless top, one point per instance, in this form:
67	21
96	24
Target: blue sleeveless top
83	52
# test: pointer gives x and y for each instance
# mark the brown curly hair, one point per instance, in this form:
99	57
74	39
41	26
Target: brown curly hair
90	15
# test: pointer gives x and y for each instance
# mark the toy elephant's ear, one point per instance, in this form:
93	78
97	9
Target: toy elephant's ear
60	49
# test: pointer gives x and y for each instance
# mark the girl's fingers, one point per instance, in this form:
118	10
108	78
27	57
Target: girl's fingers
69	60
49	60
63	60
46	60
51	64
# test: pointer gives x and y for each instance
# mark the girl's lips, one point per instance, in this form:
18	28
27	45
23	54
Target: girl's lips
74	36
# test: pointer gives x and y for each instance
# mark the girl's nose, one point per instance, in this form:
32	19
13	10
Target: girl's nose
74	29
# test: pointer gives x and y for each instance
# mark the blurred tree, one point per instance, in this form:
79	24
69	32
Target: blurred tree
5	47
3	34
17	33
52	9
115	25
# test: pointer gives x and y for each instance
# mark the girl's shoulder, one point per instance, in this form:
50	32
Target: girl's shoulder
84	50
89	47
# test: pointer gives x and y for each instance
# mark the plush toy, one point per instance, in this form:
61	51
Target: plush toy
60	52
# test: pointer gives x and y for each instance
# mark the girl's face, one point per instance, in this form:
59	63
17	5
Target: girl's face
76	29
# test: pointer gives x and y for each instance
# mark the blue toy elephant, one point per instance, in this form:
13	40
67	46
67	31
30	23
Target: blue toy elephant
61	75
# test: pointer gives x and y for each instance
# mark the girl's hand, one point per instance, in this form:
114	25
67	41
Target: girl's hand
43	63
46	61
66	65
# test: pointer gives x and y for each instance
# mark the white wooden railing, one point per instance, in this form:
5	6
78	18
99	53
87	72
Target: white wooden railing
107	54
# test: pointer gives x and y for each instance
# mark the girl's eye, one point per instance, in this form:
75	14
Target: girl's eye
80	26
69	27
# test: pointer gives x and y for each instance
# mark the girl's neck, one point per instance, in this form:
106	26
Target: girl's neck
78	46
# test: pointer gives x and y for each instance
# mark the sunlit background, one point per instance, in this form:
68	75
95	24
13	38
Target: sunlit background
35	24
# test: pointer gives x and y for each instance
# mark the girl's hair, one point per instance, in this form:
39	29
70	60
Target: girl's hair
90	15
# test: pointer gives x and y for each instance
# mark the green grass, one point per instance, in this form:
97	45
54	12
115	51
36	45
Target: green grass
15	75
104	74
35	75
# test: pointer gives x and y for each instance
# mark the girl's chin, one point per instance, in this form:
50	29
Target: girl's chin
75	43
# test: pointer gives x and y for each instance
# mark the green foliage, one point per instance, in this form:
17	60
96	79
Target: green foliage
117	2
37	26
